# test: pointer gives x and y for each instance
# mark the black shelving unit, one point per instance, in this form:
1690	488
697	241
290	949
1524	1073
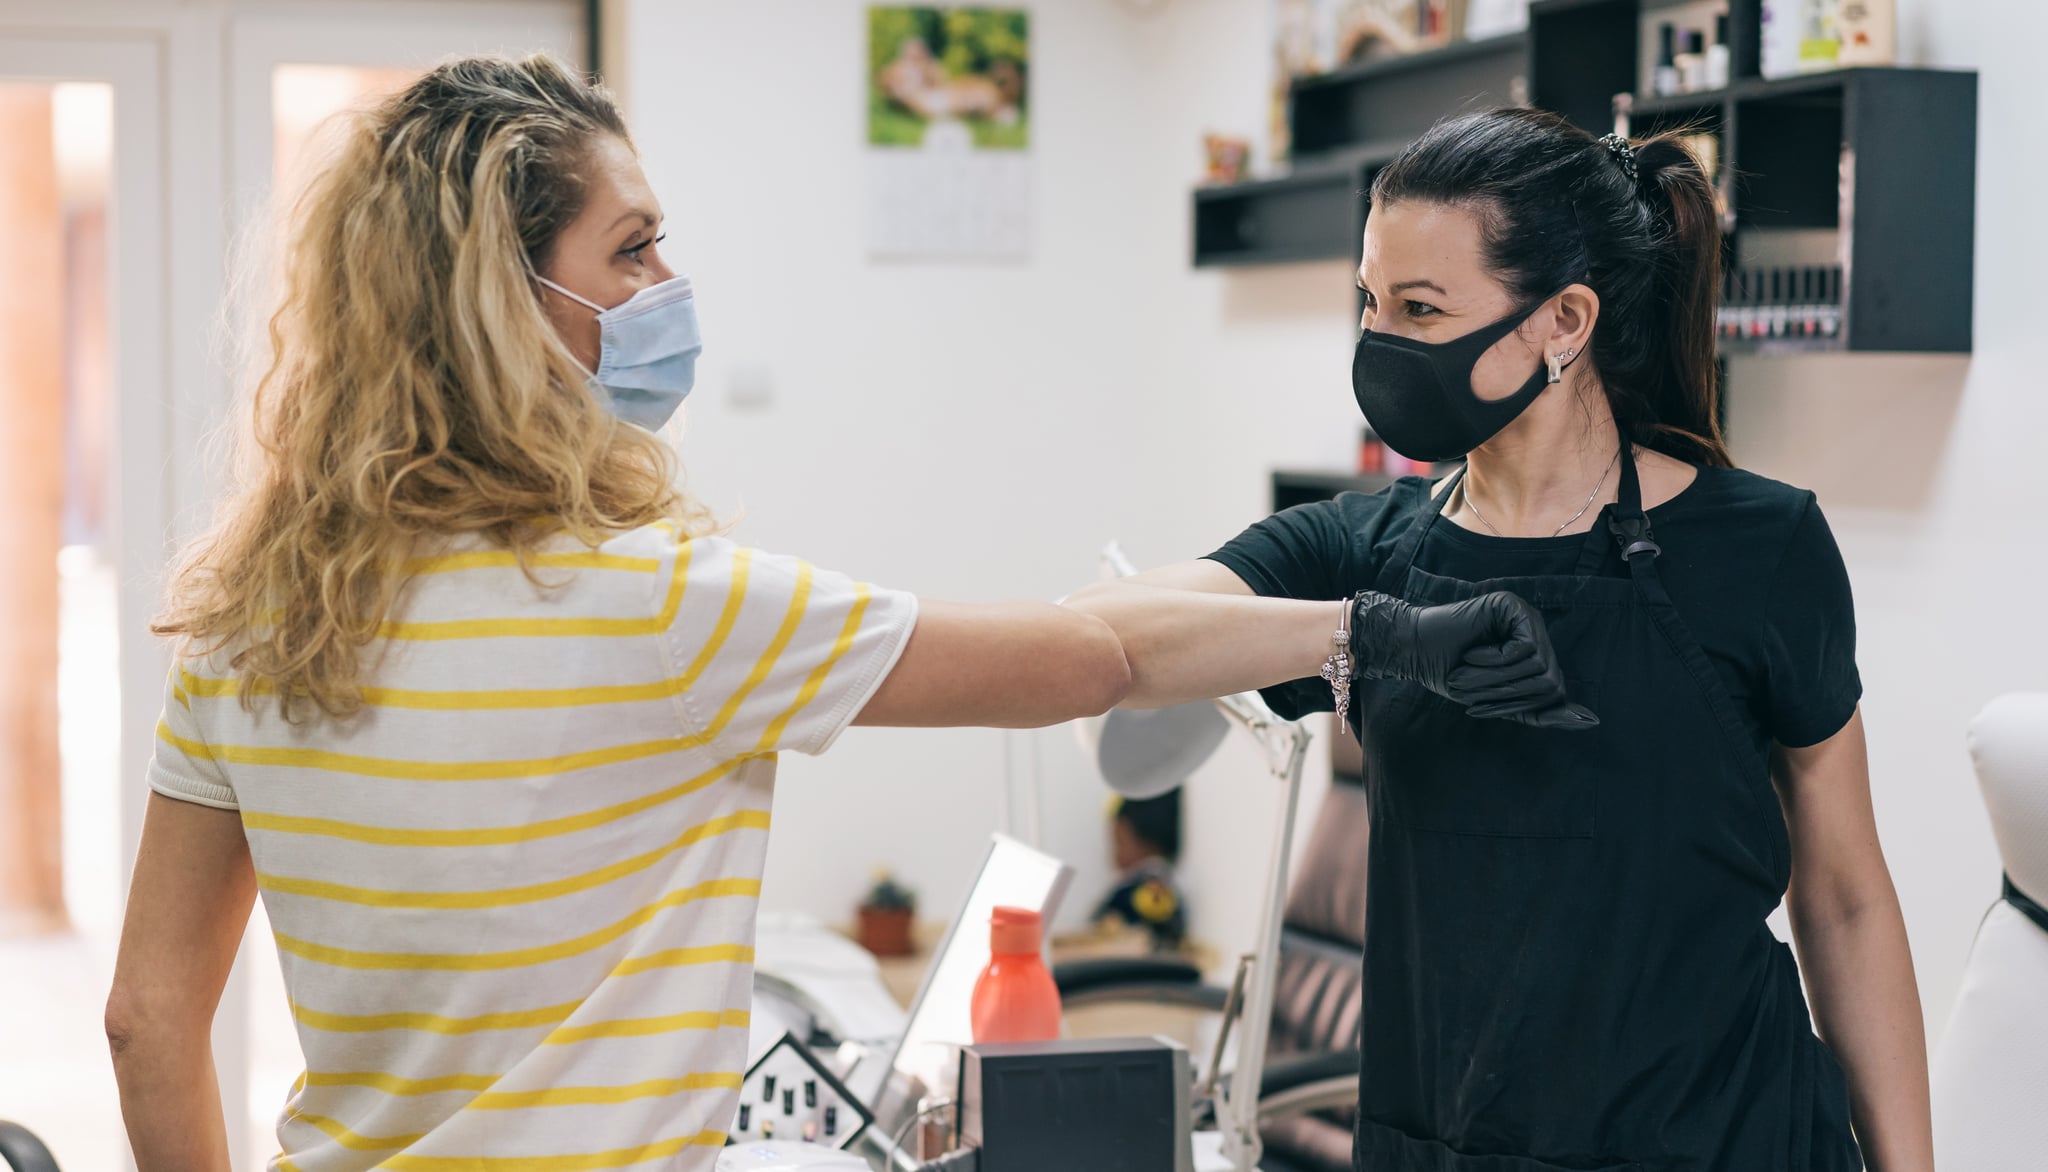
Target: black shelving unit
1876	167
1293	486
1863	180
1345	126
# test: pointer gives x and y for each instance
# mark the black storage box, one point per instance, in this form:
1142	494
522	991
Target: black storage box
1100	1104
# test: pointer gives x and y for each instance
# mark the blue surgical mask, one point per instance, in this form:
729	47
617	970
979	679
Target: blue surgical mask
647	354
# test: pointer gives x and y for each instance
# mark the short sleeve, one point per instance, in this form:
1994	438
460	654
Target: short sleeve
1812	686
1300	553
778	654
183	765
1295	553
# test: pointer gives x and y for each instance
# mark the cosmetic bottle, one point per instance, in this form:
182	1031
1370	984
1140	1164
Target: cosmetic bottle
1692	64
1015	999
1720	56
1784	23
1820	42
1664	82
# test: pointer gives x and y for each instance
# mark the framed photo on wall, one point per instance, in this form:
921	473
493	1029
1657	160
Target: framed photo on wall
949	132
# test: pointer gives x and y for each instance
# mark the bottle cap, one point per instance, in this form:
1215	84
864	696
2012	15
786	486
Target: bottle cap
1014	931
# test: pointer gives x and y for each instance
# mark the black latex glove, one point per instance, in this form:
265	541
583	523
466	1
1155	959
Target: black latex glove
1491	654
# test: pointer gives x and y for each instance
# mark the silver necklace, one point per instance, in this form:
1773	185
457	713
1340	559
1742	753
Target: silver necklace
1465	493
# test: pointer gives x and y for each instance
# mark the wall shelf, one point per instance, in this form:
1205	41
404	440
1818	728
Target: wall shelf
1871	172
1346	125
1858	181
1299	486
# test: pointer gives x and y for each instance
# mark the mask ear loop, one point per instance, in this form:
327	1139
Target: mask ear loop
594	306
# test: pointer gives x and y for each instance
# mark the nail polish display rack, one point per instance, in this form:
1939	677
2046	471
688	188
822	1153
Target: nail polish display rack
1760	304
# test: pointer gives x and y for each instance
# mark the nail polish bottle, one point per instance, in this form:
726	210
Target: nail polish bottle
1720	56
1692	63
1664	82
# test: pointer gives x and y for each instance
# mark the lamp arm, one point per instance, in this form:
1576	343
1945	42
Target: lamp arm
1285	744
1240	1117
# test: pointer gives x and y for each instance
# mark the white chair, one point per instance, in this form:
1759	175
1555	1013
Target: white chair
1991	1073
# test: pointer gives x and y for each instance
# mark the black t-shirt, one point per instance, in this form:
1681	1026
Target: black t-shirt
1749	563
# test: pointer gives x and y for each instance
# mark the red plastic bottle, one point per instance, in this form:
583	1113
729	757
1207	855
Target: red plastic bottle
1014	998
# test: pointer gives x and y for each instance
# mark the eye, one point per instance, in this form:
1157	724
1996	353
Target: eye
635	250
1371	302
1422	309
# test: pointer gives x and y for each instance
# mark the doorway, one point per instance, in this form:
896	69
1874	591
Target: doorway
141	139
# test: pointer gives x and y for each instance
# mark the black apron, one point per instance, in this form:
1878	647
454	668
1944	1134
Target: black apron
1566	959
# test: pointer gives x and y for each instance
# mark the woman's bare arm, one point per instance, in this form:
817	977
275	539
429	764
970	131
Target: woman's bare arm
1003	664
1195	630
190	900
1852	946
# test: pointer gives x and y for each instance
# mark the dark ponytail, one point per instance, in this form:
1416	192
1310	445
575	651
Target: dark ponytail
1639	227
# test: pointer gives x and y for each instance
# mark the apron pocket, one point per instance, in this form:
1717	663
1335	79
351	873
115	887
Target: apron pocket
1445	772
1385	1149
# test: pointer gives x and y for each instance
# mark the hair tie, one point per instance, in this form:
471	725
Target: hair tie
1623	154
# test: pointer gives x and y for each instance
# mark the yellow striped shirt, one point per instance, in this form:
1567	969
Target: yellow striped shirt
514	897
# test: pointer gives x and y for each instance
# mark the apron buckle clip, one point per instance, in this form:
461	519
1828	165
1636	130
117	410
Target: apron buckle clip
1633	534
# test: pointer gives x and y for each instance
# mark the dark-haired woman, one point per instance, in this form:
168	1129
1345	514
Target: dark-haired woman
1567	961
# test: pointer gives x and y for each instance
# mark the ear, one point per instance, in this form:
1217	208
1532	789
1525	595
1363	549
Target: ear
1575	310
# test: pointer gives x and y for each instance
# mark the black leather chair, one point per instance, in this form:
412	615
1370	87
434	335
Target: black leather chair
22	1151
1309	1095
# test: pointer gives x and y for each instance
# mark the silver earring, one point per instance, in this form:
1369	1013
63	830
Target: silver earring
1557	362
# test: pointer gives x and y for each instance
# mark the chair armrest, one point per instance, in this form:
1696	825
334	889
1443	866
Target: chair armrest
1316	1083
22	1151
1161	980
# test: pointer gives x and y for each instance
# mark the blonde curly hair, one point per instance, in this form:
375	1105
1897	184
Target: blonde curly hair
413	389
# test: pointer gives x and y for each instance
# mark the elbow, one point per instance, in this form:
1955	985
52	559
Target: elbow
1104	675
122	1023
134	1027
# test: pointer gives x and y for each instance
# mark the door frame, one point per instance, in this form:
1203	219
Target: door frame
177	68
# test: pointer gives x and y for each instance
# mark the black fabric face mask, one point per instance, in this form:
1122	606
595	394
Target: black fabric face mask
1418	396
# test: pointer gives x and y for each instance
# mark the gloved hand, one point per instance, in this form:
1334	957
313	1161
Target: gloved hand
1491	654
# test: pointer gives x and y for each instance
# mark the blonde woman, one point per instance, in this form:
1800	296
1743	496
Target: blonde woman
476	701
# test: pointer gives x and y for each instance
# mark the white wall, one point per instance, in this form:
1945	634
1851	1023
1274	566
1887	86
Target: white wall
978	430
975	431
963	430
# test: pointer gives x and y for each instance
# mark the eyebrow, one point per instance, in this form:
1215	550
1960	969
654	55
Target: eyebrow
647	219
1404	286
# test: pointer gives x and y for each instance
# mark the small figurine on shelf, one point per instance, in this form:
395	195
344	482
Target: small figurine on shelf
886	913
1227	157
